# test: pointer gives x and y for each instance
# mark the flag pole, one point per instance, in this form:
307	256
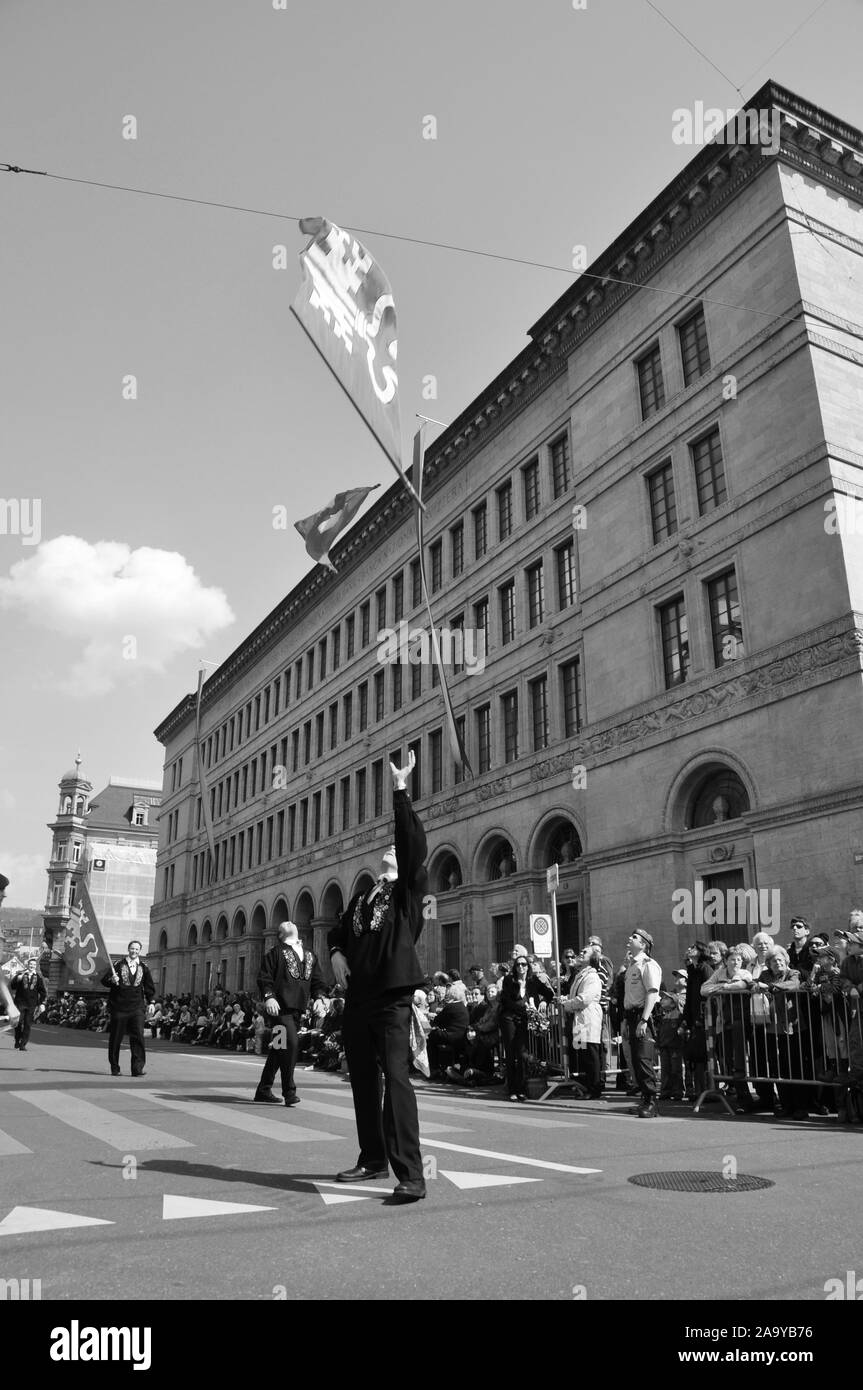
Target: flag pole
411	489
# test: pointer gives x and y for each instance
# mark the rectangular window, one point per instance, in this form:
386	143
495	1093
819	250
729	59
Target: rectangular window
571	696
456	537
480	622
245	786
726	620
560	465
267	705
364	705
322	659
709	472
304	822
416	584
663	507
270	834
504	512
331	810
365	621
316	818
506	596
319	735
334	725
361	796
292	828
436	759
675	642
456	627
378	788
346	803
450	946
307	743
298	682
348	711
480	530
397	686
398	597
257	713
277	691
381	609
509	711
259	842
280	834
416	775
530	477
458	770
694	353
565	562
295	751
539	713
435	556
350	625
502	932
416	682
535	595
379	696
336	647
254	788
650	386
483	738
310	670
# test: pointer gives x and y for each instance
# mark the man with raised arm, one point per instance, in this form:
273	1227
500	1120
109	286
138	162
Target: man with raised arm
373	956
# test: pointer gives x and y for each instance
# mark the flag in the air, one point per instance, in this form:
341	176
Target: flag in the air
321	530
346	307
85	957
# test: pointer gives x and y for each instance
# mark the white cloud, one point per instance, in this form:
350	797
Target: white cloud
130	611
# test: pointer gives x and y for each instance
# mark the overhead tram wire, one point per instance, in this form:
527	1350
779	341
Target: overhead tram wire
412	241
694	46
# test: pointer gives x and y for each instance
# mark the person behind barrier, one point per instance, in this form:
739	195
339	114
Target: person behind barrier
851	984
669	1041
448	1034
694	1039
584	1004
783	1032
641	995
478	980
762	942
730	1018
519	990
800	954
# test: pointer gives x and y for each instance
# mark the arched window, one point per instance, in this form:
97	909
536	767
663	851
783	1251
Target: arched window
449	874
564	846
501	863
193	935
163	941
718	797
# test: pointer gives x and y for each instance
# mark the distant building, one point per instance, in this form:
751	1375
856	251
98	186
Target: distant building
654	515
110	841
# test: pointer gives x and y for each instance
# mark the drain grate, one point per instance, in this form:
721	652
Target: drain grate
700	1182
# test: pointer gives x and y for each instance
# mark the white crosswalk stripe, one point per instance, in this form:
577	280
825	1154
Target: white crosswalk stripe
283	1130
112	1128
342	1112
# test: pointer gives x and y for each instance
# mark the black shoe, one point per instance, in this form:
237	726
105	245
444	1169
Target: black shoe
266	1098
411	1190
292	1100
139	1073
360	1174
17	1046
115	1071
21	1049
647	1111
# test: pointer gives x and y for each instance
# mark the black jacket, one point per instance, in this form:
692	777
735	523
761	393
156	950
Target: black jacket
277	980
27	996
693	1010
512	1006
452	1022
126	997
378	939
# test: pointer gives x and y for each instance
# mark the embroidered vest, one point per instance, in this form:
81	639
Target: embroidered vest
295	969
126	976
378	909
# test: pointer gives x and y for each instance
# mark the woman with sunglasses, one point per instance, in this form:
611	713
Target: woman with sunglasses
519	990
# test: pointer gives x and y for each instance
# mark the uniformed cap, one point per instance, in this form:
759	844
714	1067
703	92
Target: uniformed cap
4	883
645	936
681	974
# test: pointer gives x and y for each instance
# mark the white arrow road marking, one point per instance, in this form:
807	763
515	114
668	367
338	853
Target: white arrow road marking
22	1219
8	1145
119	1132
355	1187
285	1131
468	1180
179	1208
507	1158
333	1198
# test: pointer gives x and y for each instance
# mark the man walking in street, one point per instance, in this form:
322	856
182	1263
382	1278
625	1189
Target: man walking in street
373	955
640	997
6	1000
289	974
29	993
131	988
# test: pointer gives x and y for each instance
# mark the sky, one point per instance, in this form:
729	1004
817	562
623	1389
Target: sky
144	539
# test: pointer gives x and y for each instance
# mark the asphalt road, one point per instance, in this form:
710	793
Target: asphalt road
525	1202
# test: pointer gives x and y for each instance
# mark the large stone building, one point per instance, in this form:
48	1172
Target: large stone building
108	840
639	512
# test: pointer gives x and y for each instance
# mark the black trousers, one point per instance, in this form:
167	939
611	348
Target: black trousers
587	1063
376	1038
513	1037
282	1055
643	1051
22	1028
118	1026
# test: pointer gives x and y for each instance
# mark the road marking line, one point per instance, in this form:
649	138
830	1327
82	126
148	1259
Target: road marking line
343	1112
355	1187
116	1130
23	1219
285	1131
8	1145
181	1208
469	1180
508	1158
332	1199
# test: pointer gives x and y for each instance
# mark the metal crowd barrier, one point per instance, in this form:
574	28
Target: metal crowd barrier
781	1041
544	1044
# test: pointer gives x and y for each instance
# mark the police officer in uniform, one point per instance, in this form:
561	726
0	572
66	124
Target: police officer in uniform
131	988
373	955
288	975
640	997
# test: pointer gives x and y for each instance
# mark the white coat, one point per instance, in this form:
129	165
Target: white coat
583	1003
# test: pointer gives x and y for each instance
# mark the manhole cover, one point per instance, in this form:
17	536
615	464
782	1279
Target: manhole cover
700	1182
